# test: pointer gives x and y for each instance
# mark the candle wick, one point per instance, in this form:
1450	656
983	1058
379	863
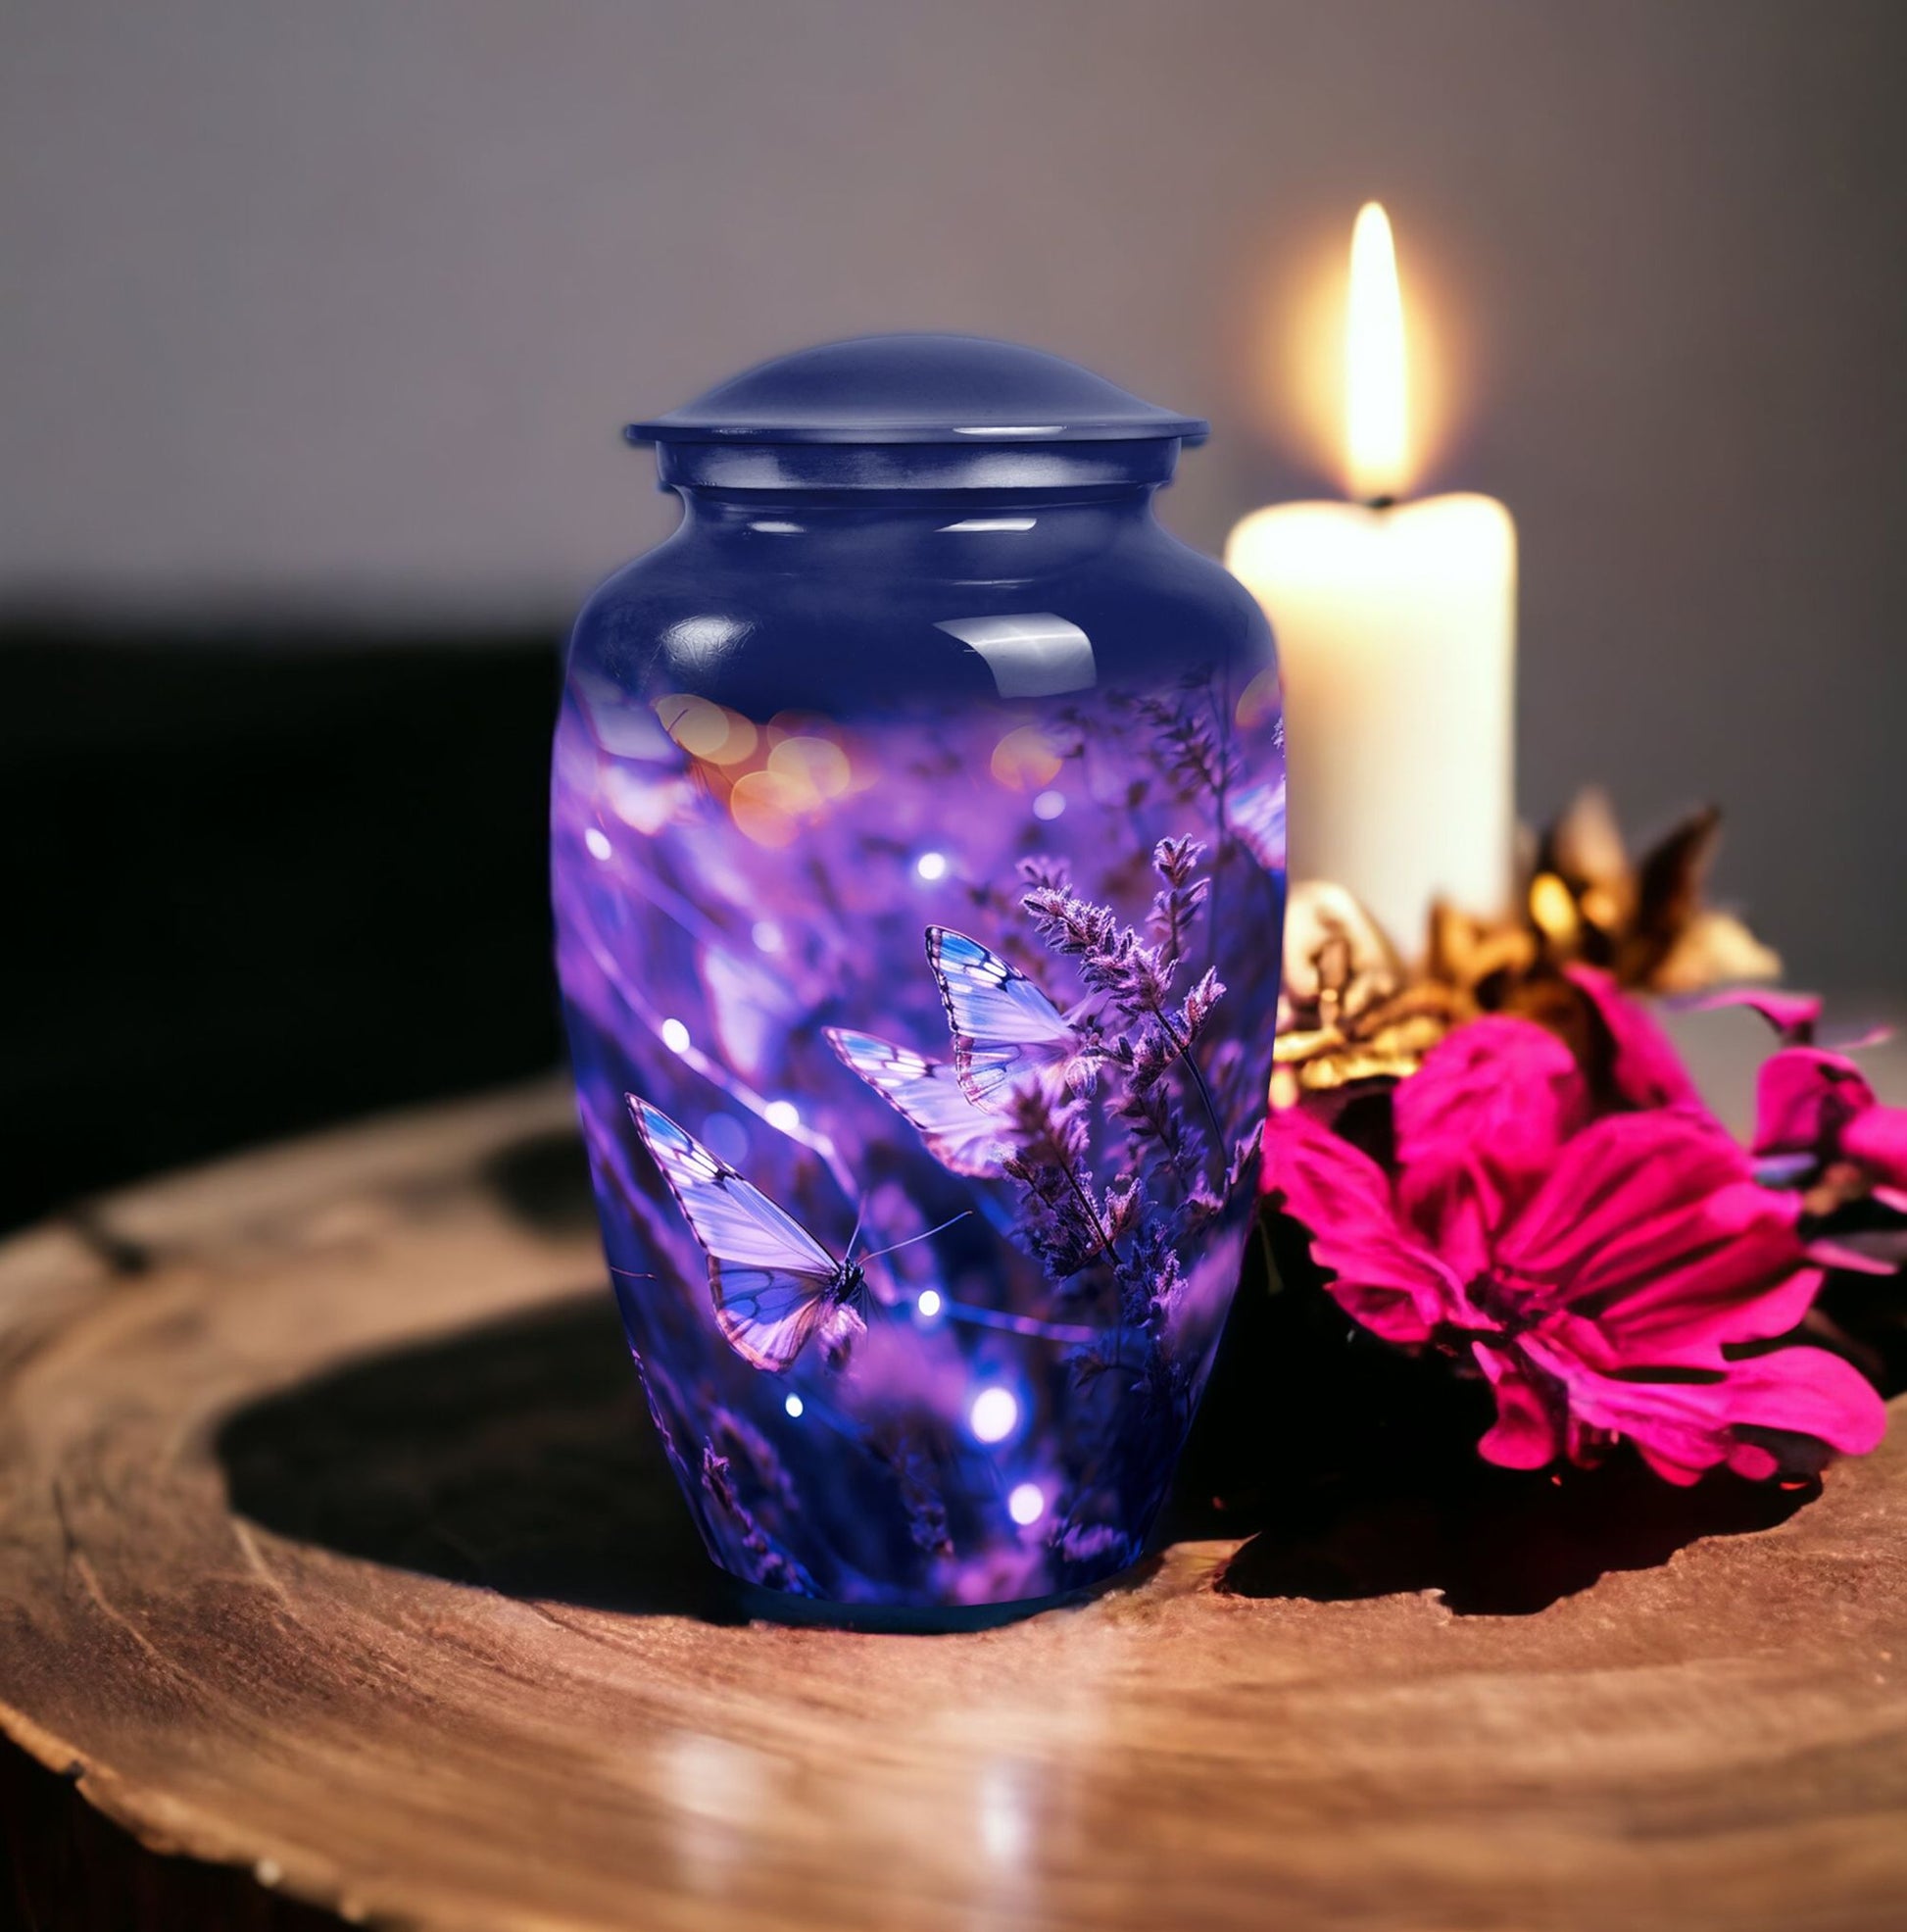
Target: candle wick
1379	502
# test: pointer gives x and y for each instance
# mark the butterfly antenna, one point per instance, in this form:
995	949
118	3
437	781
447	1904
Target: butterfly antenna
912	1238
860	1214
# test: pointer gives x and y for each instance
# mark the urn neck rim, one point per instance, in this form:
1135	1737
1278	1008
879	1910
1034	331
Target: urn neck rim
916	468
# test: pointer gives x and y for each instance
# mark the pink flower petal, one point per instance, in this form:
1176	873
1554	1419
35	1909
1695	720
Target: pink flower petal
1877	1140
1754	1284
1808	1392
1805	1098
1678	1428
1850	1261
1645	1070
1869	1036
1751	1459
1385	1280
1524	1435
1792	1016
1685	1427
1652	1234
1478	1126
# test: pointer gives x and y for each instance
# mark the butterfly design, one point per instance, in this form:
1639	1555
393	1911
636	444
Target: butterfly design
928	1095
1005	1030
1258	817
774	1287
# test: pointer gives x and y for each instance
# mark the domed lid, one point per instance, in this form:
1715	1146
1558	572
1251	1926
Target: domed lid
944	389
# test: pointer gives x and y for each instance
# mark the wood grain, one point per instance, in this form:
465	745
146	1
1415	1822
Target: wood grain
333	1545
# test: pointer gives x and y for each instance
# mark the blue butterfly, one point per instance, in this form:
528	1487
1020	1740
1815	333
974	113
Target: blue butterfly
928	1093
774	1287
1005	1030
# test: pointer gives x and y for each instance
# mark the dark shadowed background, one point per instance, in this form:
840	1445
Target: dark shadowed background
320	322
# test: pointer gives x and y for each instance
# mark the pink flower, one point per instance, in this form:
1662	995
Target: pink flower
1604	1273
1816	1117
1815	1109
1642	1067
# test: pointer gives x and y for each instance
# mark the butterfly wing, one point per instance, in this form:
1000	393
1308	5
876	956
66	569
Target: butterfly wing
772	1282
766	1315
748	1003
1004	1029
1258	817
927	1094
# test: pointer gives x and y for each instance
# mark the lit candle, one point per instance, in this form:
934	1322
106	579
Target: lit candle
1397	630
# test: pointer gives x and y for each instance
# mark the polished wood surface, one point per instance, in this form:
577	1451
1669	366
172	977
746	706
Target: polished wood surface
335	1546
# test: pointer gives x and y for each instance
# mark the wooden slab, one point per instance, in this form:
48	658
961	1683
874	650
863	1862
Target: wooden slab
333	1543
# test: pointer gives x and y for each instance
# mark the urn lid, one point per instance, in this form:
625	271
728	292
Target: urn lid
946	390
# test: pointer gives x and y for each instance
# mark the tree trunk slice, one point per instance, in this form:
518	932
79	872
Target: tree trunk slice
334	1544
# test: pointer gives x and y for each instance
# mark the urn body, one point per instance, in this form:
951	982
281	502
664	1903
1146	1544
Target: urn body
918	875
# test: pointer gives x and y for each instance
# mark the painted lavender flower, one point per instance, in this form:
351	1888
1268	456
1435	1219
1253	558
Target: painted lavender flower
922	1067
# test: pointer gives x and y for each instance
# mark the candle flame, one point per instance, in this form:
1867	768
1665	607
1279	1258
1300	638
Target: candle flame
1376	441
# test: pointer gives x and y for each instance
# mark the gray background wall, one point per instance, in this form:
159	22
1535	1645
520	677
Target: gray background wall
341	304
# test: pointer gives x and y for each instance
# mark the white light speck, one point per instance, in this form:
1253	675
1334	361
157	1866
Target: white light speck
675	1036
929	1303
1048	804
931	865
767	935
1027	1503
794	1404
995	1415
782	1113
598	846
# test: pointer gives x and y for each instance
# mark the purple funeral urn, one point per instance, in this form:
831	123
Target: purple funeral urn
918	840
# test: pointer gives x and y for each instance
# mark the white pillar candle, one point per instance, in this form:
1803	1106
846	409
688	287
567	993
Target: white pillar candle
1397	633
